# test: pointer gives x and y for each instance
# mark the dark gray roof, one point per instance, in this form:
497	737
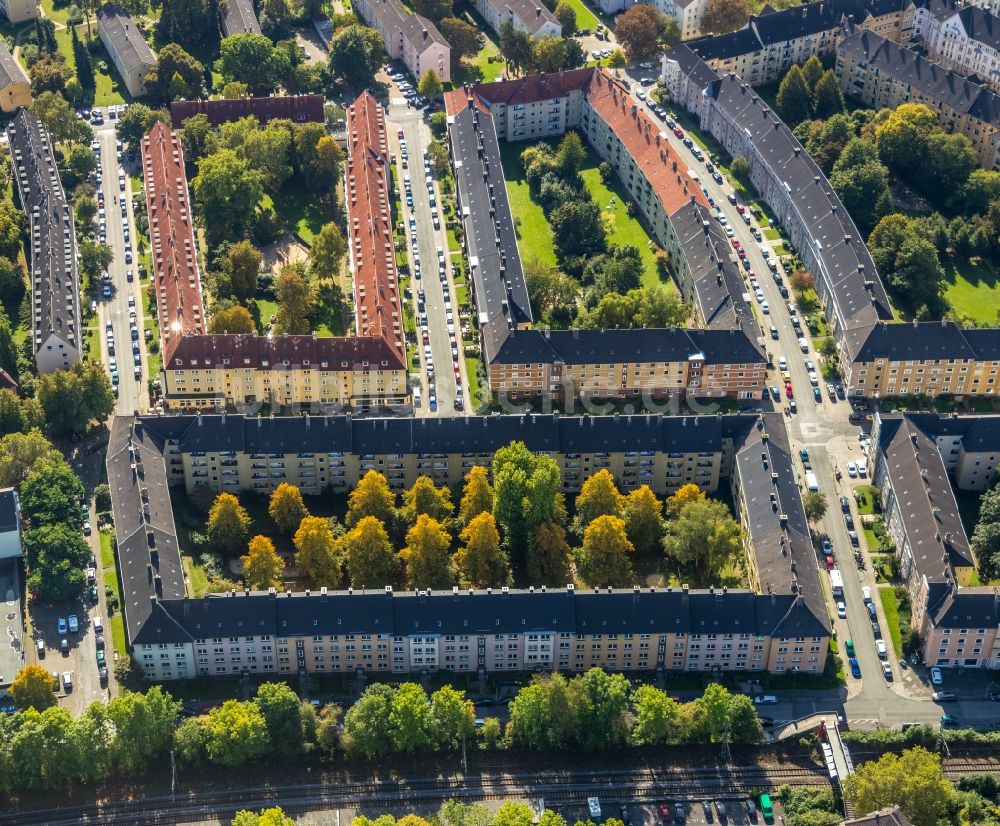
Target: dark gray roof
454	434
933	80
968	608
855	289
498	285
10	511
714	274
691	64
979	25
811	18
131	46
725	46
238	17
415	28
552	610
533	14
148	554
675	344
924	497
55	280
889	816
924	340
10	70
764	474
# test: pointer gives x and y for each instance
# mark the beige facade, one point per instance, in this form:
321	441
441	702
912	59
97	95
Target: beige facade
18	11
930	377
15	88
128	48
408	37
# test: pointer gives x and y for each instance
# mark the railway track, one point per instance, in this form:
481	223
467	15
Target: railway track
558	788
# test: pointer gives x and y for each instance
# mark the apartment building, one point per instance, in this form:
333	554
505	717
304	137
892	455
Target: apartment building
327	374
528	16
671	203
128	48
882	73
630	363
966	40
15	88
238	17
296	108
771	42
318	453
492	631
778	628
408	37
19	11
927	358
179	307
378	311
55	282
919	460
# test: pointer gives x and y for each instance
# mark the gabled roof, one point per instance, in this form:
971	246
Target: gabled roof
10	70
129	44
238	17
533	14
297	108
531	88
926	340
10	511
889	816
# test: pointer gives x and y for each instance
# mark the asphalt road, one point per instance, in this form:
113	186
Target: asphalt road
417	136
132	394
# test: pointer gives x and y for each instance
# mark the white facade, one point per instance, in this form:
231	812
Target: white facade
687	14
408	37
949	44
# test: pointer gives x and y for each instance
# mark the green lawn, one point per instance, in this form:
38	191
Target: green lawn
471	365
118	634
481	69
627	230
109	87
585	18
197	578
887	595
300	210
534	235
60	14
972	289
772	234
107	551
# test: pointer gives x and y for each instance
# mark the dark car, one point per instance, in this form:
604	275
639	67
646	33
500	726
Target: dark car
845	504
855	418
679	814
877	630
626	815
849	521
706	807
853	537
102	672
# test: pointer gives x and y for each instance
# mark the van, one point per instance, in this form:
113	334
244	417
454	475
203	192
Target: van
766	809
811	482
803	344
866	592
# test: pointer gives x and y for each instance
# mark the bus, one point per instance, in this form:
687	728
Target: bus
837	583
766	808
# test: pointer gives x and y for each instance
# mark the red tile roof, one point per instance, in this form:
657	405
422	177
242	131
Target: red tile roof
534	88
298	108
665	170
369	216
174	255
252	351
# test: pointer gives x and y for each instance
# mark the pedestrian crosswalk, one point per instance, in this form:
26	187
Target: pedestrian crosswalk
862	721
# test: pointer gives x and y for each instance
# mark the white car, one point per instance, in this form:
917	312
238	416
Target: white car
880	648
814	380
862	469
764	308
841	610
782	363
852	470
936	677
866	594
887	671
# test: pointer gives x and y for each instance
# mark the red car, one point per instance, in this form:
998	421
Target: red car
679	132
788	392
830	563
741	253
740	208
736	244
665	814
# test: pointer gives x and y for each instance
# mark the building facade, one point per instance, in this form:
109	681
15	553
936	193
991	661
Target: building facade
55	281
527	16
19	11
128	48
15	87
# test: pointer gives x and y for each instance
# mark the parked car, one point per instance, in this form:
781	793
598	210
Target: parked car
936	677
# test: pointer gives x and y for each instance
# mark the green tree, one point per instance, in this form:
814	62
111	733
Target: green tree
793	100
430	85
20	453
602	708
812	71
549	54
368	730
642	513
33	687
656	717
552	293
287	508
262	567
295	301
241	264
647	307
136	121
58	117
232	320
411	718
638	31
950	160
549	557
480	562
912	780
981	187
172	64
12	223
514	814
902	137
526	493
617	59
454	717
317	551
722	16
144	727
327	252
424	498
237	733
464	40
371	497
828	99
50	494
599	496
603	558
425	557
95	258
252	59
197	138
228	523
228	191
862	182
355	55
577	226
566	15
477	494
814	503
282	712
530	721
368	554
266	817
704	536
516	47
